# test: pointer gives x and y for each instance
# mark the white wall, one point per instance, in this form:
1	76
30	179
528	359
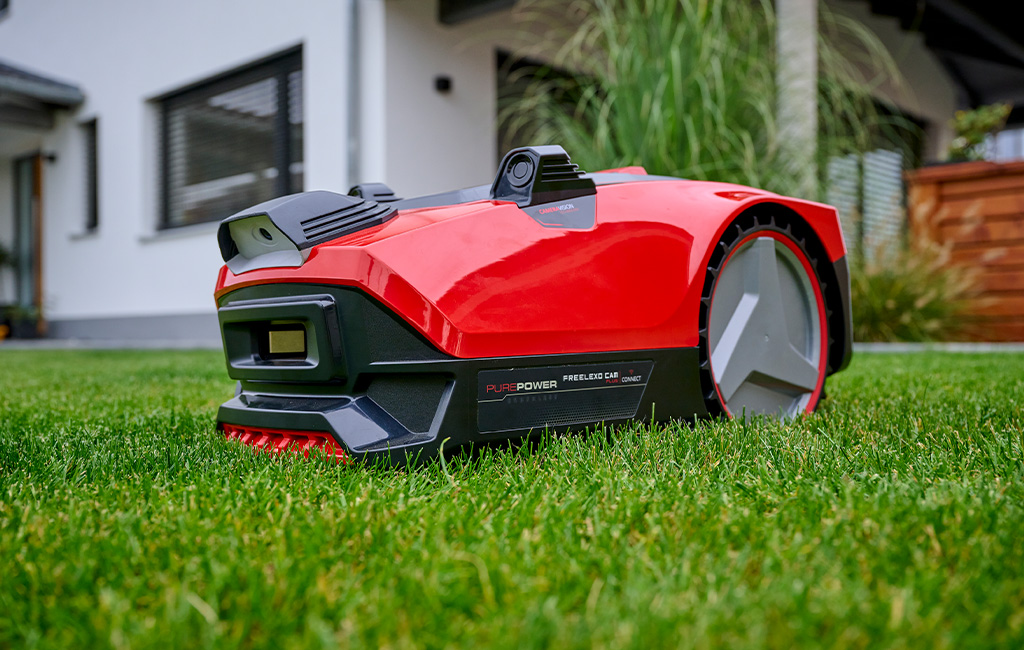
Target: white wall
122	54
442	141
437	141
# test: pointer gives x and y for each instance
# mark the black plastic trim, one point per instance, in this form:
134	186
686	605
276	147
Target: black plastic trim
529	177
310	218
245	325
368	431
454	197
387	428
378	192
841	323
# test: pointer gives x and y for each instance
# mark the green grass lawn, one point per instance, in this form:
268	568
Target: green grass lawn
894	517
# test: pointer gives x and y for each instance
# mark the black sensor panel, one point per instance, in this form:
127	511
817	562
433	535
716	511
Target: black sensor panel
534	175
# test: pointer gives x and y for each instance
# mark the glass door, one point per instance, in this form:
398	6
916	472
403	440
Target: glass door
26	232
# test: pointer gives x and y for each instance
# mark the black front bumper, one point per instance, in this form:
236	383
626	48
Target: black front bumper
841	319
381	390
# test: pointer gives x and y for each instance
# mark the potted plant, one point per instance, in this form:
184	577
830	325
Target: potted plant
6	260
16	321
23	322
973	128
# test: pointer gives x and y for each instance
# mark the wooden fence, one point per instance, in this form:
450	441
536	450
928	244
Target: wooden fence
977	210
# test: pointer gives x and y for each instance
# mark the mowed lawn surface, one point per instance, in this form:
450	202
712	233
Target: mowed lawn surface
894	517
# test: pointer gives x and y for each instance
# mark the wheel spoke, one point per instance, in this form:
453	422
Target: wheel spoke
787	368
731	359
770	302
762	270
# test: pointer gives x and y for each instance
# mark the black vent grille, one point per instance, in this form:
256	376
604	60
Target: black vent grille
336	224
558	169
413	400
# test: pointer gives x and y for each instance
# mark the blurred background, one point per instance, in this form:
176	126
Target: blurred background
128	130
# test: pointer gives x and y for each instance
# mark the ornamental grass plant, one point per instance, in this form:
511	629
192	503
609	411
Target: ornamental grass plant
688	88
911	294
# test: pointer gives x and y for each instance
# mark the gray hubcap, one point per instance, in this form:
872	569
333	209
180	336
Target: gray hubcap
764	331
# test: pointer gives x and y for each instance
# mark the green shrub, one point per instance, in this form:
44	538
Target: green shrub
910	295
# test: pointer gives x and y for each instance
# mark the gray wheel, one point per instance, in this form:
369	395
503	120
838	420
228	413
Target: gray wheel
766	328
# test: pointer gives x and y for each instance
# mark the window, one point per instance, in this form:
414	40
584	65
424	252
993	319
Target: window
92	208
867	188
1007	146
232	142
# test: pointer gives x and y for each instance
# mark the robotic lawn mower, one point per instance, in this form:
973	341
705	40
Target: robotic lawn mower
368	326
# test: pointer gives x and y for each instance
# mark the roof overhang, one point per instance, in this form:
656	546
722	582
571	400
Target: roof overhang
29	100
976	41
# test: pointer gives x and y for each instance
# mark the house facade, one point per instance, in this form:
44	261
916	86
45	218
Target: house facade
128	130
173	116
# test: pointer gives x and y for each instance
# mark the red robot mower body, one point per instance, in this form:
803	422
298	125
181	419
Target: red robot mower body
549	299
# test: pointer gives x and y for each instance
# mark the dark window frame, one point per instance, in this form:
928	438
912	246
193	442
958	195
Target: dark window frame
278	66
452	12
90	132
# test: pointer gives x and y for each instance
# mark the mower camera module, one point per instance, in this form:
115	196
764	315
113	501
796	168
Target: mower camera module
370	326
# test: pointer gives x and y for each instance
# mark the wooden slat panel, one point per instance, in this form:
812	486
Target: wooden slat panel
978	208
994	329
964	170
1001	306
923	203
993	206
994	256
982	186
997	279
999	232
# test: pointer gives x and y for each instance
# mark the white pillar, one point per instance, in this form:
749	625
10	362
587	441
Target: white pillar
326	86
797	78
371	99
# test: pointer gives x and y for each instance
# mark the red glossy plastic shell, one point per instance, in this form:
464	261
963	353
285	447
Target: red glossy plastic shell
484	279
